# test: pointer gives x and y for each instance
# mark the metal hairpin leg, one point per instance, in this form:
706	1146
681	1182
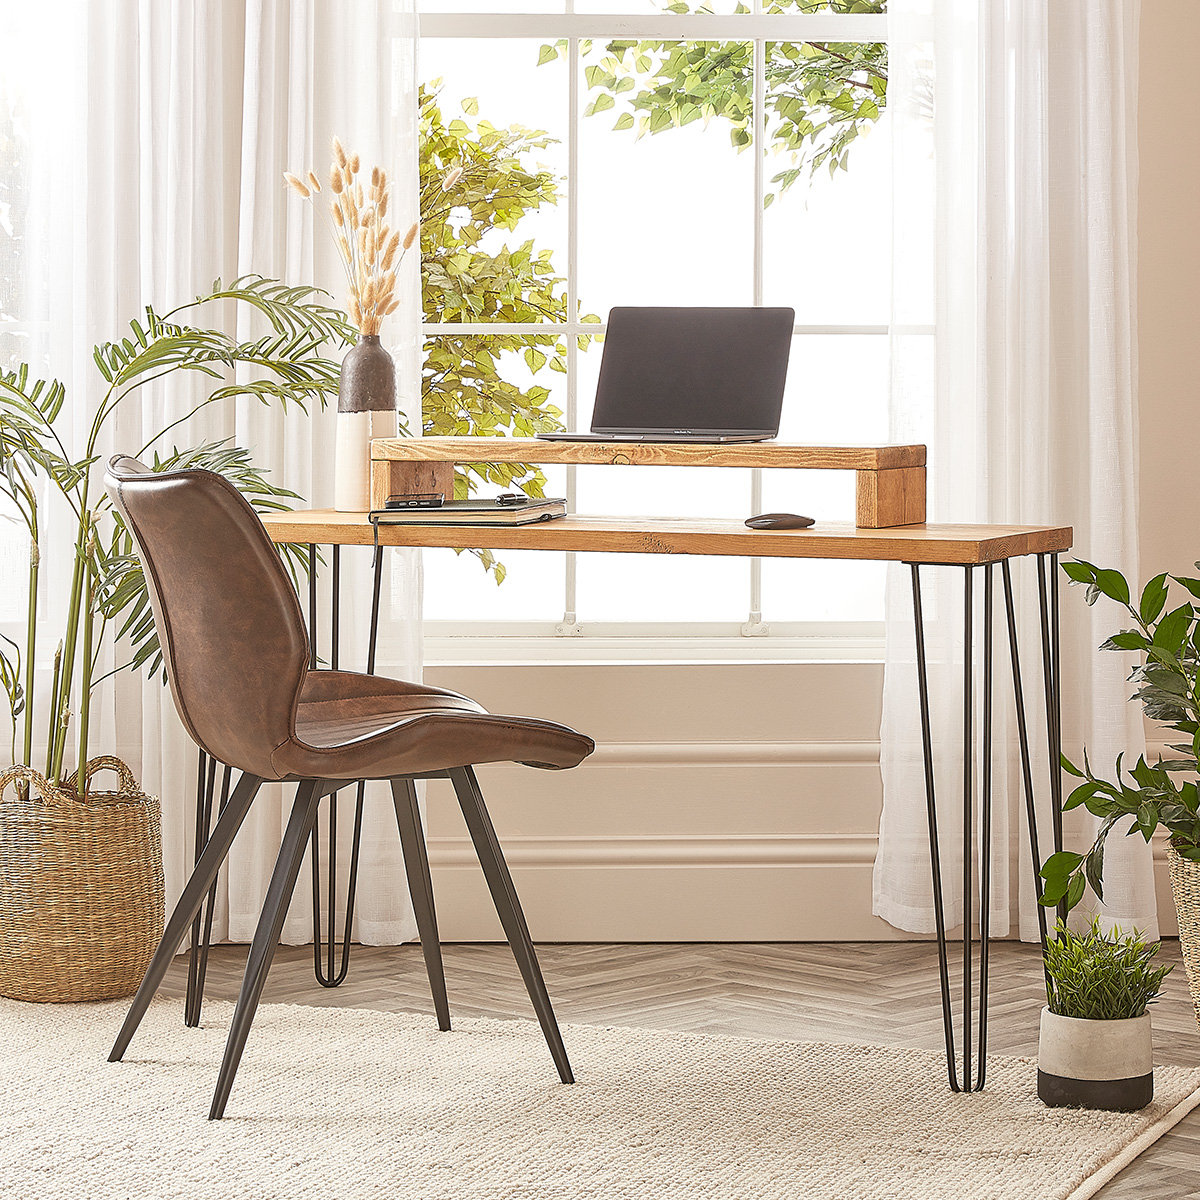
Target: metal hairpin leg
1050	658
1050	674
965	1083
201	937
327	968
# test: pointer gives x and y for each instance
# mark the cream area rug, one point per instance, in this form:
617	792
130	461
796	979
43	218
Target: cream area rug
344	1104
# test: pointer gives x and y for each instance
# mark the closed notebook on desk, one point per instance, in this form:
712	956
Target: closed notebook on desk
472	512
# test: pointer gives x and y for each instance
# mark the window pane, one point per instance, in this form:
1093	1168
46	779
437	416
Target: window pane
665	217
836	393
495	246
827	226
492	385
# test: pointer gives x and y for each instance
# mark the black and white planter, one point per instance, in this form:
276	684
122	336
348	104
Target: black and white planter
1107	1065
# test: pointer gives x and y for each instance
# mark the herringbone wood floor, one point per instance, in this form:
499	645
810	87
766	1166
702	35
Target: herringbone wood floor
883	993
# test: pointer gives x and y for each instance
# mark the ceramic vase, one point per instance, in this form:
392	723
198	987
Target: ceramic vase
366	410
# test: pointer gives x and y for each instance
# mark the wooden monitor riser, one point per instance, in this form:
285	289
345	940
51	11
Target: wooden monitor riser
890	480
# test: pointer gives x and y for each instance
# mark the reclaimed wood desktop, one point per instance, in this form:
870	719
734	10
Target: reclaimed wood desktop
891	491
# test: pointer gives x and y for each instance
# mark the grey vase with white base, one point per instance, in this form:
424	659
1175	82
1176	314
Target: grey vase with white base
366	410
1105	1065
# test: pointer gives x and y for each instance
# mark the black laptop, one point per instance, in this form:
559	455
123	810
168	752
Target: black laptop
690	375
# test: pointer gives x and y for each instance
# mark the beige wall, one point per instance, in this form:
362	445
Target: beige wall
1168	306
702	816
1169	287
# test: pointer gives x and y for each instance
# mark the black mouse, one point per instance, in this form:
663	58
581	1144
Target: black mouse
779	521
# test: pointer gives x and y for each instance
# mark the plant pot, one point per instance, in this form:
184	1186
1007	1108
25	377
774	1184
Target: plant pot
1185	887
1105	1065
81	885
366	410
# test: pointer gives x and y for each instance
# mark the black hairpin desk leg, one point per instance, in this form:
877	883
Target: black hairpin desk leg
976	1047
201	935
329	971
330	968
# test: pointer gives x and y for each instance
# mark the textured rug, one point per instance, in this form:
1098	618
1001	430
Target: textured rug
345	1104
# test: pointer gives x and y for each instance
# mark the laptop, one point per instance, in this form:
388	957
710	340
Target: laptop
690	375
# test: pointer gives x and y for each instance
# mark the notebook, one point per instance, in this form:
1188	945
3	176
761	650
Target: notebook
472	512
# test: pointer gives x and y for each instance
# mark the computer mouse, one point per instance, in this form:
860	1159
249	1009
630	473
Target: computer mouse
779	521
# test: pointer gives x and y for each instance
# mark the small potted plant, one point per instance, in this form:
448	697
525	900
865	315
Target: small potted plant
1095	1048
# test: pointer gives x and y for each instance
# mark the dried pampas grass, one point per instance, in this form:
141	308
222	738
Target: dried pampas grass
371	252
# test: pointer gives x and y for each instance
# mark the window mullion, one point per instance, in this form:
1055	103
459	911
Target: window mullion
754	626
570	623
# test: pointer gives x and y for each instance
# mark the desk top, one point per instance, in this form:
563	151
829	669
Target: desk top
648	454
962	545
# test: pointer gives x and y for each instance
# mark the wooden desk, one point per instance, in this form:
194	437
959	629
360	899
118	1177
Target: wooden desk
948	545
966	547
889	488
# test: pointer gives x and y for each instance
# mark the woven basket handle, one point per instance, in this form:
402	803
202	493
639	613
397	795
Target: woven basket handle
37	783
104	762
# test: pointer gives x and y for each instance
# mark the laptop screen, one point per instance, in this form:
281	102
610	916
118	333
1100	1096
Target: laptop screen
693	370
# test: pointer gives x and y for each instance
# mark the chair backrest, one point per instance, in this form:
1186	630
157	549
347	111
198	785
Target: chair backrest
230	624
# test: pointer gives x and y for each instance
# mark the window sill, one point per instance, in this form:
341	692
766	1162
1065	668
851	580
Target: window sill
530	643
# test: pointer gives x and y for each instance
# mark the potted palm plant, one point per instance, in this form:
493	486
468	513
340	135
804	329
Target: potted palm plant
41	809
1095	1048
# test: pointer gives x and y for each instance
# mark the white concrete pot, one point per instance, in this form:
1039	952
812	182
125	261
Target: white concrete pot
1095	1064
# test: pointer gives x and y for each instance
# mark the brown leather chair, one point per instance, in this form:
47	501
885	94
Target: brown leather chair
237	659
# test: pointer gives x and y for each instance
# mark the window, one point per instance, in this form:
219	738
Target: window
642	153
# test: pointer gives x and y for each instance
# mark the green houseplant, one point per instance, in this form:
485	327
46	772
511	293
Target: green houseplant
285	364
1095	1048
1164	630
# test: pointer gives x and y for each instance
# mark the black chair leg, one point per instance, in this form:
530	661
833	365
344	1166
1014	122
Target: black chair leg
266	936
508	908
197	887
420	888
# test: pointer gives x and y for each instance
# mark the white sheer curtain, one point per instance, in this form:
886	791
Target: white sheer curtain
1014	358
157	167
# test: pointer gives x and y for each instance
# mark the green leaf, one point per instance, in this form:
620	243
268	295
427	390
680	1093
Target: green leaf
1075	891
546	55
1113	585
1172	629
1061	863
624	121
1127	639
1154	598
1069	767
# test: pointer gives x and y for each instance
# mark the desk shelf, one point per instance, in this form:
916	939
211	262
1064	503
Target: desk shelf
962	545
890	487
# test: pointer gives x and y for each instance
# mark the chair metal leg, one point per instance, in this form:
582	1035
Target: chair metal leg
508	908
266	937
206	870
420	888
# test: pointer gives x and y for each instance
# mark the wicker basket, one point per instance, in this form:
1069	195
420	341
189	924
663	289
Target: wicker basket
81	886
1185	887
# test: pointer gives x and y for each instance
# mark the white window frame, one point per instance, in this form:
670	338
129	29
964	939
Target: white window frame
516	641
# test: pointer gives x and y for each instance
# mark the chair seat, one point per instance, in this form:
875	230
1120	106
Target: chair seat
351	726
